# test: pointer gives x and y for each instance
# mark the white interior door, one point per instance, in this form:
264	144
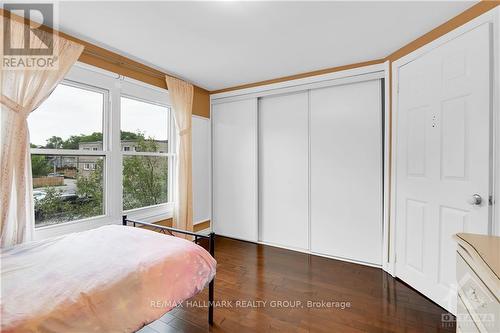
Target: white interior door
443	148
234	134
283	147
346	171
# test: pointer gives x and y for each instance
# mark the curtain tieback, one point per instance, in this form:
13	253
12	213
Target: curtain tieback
12	105
184	131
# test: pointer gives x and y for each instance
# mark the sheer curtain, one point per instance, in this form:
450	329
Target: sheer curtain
22	91
181	95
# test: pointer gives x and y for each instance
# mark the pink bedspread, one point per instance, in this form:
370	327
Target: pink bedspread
109	279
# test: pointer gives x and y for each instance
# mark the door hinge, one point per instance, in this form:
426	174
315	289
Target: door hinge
490	200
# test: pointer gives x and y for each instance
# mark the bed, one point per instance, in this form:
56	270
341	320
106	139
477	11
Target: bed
110	279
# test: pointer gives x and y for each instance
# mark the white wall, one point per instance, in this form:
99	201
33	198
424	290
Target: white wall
201	169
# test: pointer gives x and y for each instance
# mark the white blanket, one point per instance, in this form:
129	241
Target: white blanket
109	279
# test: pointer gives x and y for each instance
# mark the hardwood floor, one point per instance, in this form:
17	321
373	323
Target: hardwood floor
281	283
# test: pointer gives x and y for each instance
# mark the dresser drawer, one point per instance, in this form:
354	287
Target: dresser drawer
465	323
477	298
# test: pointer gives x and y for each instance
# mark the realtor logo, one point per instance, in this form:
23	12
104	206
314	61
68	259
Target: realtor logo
28	46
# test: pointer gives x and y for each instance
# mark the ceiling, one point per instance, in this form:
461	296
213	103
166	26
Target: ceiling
216	45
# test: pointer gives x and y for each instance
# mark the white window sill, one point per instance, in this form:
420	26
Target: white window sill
149	214
72	226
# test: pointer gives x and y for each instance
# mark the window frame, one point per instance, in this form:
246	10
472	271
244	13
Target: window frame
104	153
152	95
114	87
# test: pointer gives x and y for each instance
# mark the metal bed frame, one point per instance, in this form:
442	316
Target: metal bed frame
197	237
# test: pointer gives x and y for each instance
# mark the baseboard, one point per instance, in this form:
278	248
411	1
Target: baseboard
352	261
307	252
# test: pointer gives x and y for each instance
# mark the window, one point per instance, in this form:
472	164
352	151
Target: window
68	183
93	159
145	169
71	118
89	166
75	192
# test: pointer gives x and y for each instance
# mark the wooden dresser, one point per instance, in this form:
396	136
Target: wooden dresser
478	277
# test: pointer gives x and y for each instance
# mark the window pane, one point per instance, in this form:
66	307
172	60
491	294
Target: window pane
71	118
67	188
144	126
145	180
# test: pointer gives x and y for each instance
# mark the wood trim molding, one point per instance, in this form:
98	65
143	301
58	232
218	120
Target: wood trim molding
457	21
301	75
462	18
102	58
111	61
201	102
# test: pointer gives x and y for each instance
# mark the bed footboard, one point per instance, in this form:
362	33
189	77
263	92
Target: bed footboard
197	238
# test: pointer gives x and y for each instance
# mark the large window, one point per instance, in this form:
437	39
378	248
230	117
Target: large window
100	147
145	129
67	176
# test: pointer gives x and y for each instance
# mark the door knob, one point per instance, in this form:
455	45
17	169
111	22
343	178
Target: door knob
475	200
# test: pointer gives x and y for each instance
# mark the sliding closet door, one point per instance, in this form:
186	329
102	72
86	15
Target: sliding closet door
346	171
283	145
234	128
